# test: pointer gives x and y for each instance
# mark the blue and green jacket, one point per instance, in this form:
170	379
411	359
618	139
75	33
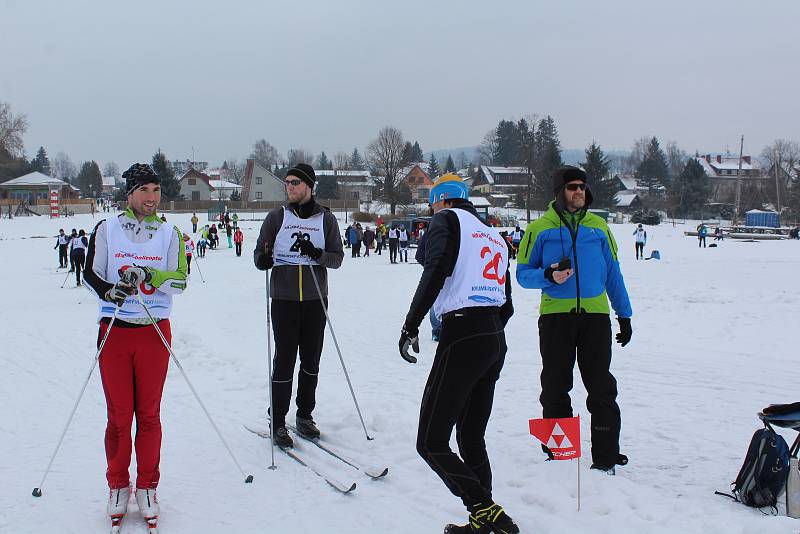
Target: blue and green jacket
586	239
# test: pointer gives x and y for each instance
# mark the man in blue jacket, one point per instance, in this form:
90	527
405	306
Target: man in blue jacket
571	256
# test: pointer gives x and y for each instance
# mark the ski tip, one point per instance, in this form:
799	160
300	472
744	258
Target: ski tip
351	488
249	479
37	492
378	475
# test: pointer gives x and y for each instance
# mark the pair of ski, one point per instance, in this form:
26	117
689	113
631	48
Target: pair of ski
374	474
116	524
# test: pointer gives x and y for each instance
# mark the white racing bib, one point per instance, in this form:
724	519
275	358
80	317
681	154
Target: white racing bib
286	250
122	252
479	277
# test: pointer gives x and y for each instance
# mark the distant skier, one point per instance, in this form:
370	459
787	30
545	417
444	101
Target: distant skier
393	238
62	243
641	240
71	236
702	232
516	238
77	254
402	241
213	240
229	233
194	220
475	305
189	248
201	247
368	239
133	364
238	239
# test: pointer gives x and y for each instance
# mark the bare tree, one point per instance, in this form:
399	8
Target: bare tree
236	170
12	128
341	161
631	163
63	168
780	158
299	155
487	147
781	151
676	159
264	153
385	156
111	169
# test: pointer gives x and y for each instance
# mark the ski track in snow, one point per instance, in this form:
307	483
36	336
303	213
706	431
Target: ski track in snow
712	345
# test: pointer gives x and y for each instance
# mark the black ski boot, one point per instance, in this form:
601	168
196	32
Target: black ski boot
485	518
464	529
282	438
610	469
307	428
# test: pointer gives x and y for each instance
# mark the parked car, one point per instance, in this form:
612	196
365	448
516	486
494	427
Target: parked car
649	217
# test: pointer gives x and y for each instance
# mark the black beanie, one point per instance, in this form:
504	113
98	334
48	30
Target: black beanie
138	175
305	172
566	174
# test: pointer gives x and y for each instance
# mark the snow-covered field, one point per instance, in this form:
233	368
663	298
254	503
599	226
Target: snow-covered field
713	343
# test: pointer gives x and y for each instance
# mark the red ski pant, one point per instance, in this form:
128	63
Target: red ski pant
133	366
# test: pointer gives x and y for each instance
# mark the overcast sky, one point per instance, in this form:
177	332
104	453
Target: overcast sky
114	81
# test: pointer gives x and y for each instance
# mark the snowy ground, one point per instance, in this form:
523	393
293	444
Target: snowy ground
713	344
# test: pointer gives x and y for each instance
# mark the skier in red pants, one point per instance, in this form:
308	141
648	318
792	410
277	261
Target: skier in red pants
135	252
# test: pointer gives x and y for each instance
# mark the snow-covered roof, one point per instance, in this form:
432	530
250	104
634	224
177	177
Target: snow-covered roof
480	202
109	181
326	172
222	184
624	199
35	178
628	182
760	211
506	170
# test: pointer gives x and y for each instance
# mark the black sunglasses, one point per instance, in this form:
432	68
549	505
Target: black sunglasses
575	187
295	183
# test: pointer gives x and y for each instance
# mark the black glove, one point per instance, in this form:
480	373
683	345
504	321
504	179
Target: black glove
121	290
548	273
307	248
135	275
625	330
409	337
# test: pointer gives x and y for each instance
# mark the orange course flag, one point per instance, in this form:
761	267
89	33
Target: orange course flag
562	436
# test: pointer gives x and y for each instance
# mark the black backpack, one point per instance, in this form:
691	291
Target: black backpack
763	475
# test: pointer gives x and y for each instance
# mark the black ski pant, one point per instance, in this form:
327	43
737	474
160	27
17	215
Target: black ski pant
188	264
639	250
297	327
701	241
62	255
78	260
563	338
238	249
460	392
393	249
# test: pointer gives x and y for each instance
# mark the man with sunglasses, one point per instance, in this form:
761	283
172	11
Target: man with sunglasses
295	238
571	256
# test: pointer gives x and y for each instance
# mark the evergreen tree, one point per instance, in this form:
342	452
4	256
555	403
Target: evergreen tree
356	163
597	167
323	163
416	153
547	158
225	165
170	189
449	166
691	190
433	167
90	181
408	153
653	171
507	147
327	187
41	162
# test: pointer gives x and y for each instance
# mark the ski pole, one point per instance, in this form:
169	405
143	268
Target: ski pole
338	350
269	377
37	491
65	279
197	264
248	478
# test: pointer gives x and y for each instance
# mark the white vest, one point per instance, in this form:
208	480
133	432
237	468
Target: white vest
123	252
393	233
403	235
189	247
286	251
479	276
63	239
77	244
516	236
640	236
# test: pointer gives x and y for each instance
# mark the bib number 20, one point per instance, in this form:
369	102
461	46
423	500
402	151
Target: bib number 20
492	269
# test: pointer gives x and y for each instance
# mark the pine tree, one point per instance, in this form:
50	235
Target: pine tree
408	153
508	144
653	171
597	167
356	163
433	167
90	181
416	153
327	187
323	163
691	190
449	166
41	162
170	188
547	158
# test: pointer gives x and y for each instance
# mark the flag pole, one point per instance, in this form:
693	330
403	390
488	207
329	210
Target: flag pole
579	483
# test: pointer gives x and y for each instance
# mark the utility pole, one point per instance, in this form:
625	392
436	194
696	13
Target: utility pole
737	205
778	180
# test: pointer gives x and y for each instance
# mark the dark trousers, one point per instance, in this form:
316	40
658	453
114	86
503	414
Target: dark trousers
393	249
701	241
78	260
563	338
378	247
188	264
62	255
297	327
460	392
238	249
639	250
194	228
